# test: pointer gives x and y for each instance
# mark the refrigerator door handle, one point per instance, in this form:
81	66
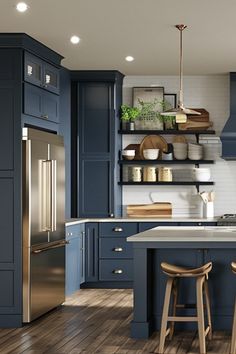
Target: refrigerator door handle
48	195
53	195
59	244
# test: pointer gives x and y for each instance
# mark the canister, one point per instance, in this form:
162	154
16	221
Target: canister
149	174
137	174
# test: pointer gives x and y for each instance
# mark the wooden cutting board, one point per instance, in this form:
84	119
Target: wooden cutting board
149	210
153	142
190	125
204	117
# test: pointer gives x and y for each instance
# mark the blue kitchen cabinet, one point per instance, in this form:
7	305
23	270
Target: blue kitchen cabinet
75	257
40	73
12	49
96	98
91	252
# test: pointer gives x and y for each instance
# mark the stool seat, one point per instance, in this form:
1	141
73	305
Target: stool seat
233	267
177	271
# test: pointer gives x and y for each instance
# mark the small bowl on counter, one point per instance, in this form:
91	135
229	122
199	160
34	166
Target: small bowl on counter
128	154
201	174
151	154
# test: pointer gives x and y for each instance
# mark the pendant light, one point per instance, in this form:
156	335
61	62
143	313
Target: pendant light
180	112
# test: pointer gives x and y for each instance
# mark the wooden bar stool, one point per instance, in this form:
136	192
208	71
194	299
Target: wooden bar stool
233	338
174	274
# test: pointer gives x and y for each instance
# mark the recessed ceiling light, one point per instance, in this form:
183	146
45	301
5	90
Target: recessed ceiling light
22	7
75	39
129	58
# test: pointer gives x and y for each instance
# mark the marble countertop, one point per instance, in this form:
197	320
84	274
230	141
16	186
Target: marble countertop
186	234
125	219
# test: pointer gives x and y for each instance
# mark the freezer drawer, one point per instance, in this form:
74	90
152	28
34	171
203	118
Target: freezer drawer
44	281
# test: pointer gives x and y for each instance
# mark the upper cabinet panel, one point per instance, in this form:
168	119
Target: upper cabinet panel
40	73
95	118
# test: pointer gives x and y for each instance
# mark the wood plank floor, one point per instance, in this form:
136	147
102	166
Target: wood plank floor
96	321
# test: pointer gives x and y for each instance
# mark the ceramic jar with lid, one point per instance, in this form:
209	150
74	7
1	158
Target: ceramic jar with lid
149	174
165	174
137	174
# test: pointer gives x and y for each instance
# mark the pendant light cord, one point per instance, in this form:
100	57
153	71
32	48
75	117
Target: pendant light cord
181	95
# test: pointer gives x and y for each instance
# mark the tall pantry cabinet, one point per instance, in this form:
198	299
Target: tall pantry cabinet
96	101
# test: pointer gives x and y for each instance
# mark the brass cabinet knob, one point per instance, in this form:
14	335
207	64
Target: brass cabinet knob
117	271
118	249
117	229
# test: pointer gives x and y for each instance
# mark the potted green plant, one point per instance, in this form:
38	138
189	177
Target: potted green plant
128	116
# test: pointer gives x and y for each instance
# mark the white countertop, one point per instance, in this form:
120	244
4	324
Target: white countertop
125	219
186	234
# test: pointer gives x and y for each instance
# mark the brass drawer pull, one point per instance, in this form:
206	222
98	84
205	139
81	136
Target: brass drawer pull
117	271
118	249
118	229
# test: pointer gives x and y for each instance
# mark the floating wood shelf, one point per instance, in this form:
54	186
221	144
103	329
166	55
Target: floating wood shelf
179	183
168	132
165	162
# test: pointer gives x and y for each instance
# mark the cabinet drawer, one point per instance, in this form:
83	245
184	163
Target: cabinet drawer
150	225
115	247
116	270
200	223
118	229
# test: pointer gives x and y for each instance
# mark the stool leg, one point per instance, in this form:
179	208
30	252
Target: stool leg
200	314
233	339
165	314
208	308
175	299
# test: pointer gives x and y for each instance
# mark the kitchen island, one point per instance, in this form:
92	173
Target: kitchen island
190	247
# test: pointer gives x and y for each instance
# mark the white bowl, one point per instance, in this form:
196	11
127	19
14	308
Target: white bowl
151	154
128	154
201	174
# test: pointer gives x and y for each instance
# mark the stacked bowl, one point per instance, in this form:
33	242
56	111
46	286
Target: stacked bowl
180	151
195	151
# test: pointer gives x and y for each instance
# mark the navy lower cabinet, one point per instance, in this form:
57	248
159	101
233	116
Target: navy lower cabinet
223	295
75	257
91	252
96	100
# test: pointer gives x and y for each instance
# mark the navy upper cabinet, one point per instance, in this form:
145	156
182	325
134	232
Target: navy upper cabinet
41	104
41	73
96	99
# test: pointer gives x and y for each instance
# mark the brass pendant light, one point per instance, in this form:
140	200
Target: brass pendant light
180	112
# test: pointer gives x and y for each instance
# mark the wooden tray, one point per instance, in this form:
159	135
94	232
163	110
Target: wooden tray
204	117
153	142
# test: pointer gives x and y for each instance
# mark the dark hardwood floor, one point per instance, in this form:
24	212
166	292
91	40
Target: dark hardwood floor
96	321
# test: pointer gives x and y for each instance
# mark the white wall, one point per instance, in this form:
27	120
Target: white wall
211	93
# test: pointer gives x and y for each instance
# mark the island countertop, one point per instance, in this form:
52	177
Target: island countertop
186	234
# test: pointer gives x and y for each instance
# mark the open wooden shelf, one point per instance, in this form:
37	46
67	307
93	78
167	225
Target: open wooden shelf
168	132
179	183
166	162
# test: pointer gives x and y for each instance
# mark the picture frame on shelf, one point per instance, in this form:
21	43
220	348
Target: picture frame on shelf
171	99
148	94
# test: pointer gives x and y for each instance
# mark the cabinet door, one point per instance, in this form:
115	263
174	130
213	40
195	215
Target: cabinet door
72	265
91	252
33	69
51	78
95	197
50	107
41	104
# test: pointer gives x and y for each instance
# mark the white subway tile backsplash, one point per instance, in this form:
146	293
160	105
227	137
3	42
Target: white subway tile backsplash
212	93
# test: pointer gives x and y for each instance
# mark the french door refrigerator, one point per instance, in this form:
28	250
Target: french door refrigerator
43	222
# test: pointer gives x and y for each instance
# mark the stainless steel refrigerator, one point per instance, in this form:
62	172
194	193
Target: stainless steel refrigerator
43	222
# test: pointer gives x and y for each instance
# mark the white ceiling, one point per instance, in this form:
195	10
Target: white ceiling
112	29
